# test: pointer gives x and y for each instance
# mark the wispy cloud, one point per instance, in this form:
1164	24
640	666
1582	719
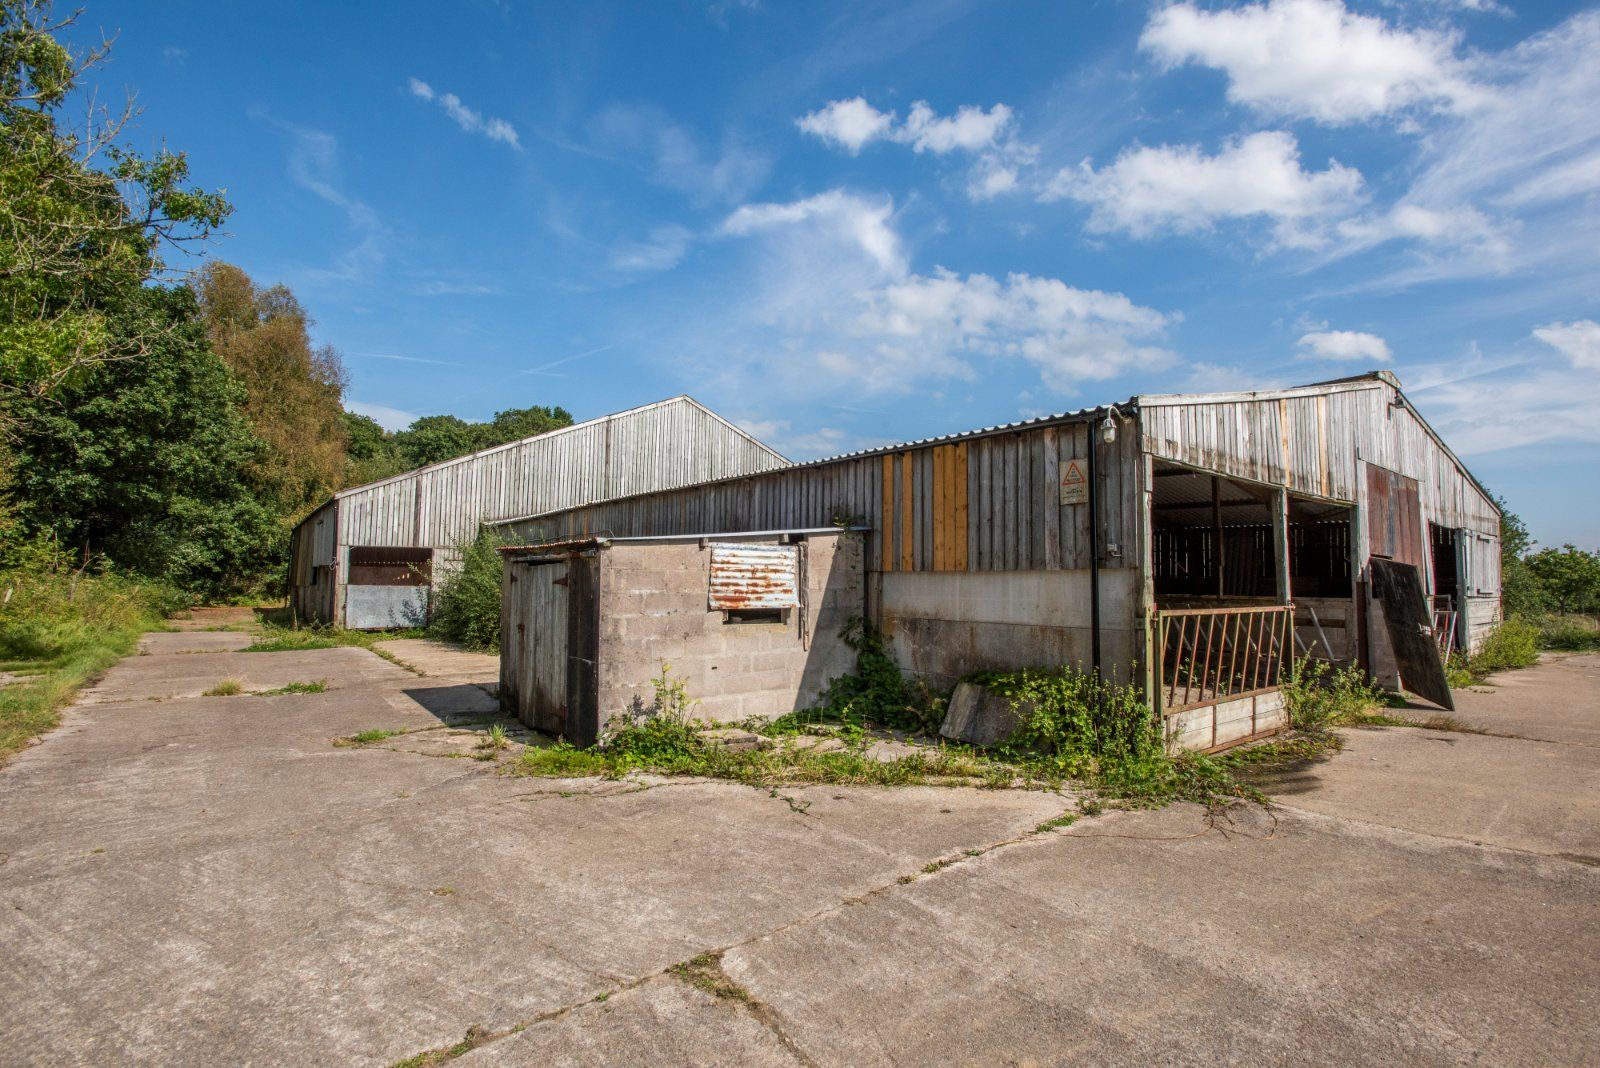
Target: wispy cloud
673	156
465	117
313	165
398	358
390	419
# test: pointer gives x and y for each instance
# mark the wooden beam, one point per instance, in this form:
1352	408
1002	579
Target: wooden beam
1280	545
1218	556
886	523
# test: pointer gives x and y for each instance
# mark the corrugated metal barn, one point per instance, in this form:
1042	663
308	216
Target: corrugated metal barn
367	558
1195	542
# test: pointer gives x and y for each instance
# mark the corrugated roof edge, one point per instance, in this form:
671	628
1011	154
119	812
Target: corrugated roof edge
783	461
469	457
1367	379
1060	418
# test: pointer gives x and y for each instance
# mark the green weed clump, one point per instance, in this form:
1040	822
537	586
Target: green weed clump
1074	725
466	601
1320	696
876	692
1513	644
276	638
62	628
1569	633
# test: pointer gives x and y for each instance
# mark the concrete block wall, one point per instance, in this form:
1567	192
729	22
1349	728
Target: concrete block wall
653	608
943	625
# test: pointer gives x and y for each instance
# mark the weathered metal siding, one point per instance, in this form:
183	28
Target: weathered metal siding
990	502
314	544
673	443
1311	441
754	576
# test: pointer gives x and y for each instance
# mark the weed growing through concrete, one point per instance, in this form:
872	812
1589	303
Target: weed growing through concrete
279	639
319	686
496	738
367	737
705	974
225	688
475	1037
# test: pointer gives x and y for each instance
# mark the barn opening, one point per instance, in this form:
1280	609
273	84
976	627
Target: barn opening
388	586
1246	579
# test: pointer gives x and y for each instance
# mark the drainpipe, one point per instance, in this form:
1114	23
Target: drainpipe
1094	551
1106	431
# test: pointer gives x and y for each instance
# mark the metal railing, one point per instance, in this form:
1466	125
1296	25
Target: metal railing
1212	654
1444	625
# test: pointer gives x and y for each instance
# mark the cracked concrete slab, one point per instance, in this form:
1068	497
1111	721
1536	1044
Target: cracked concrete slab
1539	796
191	674
1144	938
440	658
212	880
663	1021
195	641
1556	701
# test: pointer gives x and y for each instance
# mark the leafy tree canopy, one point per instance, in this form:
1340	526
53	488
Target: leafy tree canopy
83	220
433	439
146	461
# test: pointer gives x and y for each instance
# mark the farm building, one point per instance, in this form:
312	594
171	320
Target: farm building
1194	543
367	558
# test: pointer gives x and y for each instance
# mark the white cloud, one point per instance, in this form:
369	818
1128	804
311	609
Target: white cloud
852	124
969	129
1343	345
986	133
1578	341
1315	59
844	217
1179	188
663	250
389	418
314	166
469	120
1069	335
1514	181
837	305
847	124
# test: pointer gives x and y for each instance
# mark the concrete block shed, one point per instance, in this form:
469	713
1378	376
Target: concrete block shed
750	623
369	557
1192	543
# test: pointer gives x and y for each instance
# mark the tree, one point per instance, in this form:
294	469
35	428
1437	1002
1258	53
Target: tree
293	391
145	461
370	451
83	220
1520	591
436	438
1569	577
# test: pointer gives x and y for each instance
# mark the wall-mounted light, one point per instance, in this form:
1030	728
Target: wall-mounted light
1108	427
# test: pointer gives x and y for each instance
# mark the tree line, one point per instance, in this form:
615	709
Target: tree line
172	425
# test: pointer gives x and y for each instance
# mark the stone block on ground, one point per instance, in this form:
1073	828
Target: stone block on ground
735	740
978	716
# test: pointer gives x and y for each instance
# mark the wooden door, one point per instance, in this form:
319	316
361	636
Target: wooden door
543	664
1397	588
1394	517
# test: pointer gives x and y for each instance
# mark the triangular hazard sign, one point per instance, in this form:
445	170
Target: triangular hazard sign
1073	474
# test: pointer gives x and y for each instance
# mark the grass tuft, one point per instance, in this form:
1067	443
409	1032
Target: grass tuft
225	688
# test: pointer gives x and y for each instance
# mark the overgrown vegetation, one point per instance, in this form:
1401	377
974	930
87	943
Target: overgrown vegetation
466	601
1512	644
59	629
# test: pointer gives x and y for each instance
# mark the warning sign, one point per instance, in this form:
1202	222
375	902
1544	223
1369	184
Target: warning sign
1074	483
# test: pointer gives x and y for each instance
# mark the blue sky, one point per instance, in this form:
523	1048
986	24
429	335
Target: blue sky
846	225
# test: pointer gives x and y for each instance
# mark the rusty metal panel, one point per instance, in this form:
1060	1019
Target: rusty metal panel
754	576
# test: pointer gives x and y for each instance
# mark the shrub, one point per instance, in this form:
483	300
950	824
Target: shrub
63	628
1074	721
1513	644
877	692
1319	696
1573	634
466	601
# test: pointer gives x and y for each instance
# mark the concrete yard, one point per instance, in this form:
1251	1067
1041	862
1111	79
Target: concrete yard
205	880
